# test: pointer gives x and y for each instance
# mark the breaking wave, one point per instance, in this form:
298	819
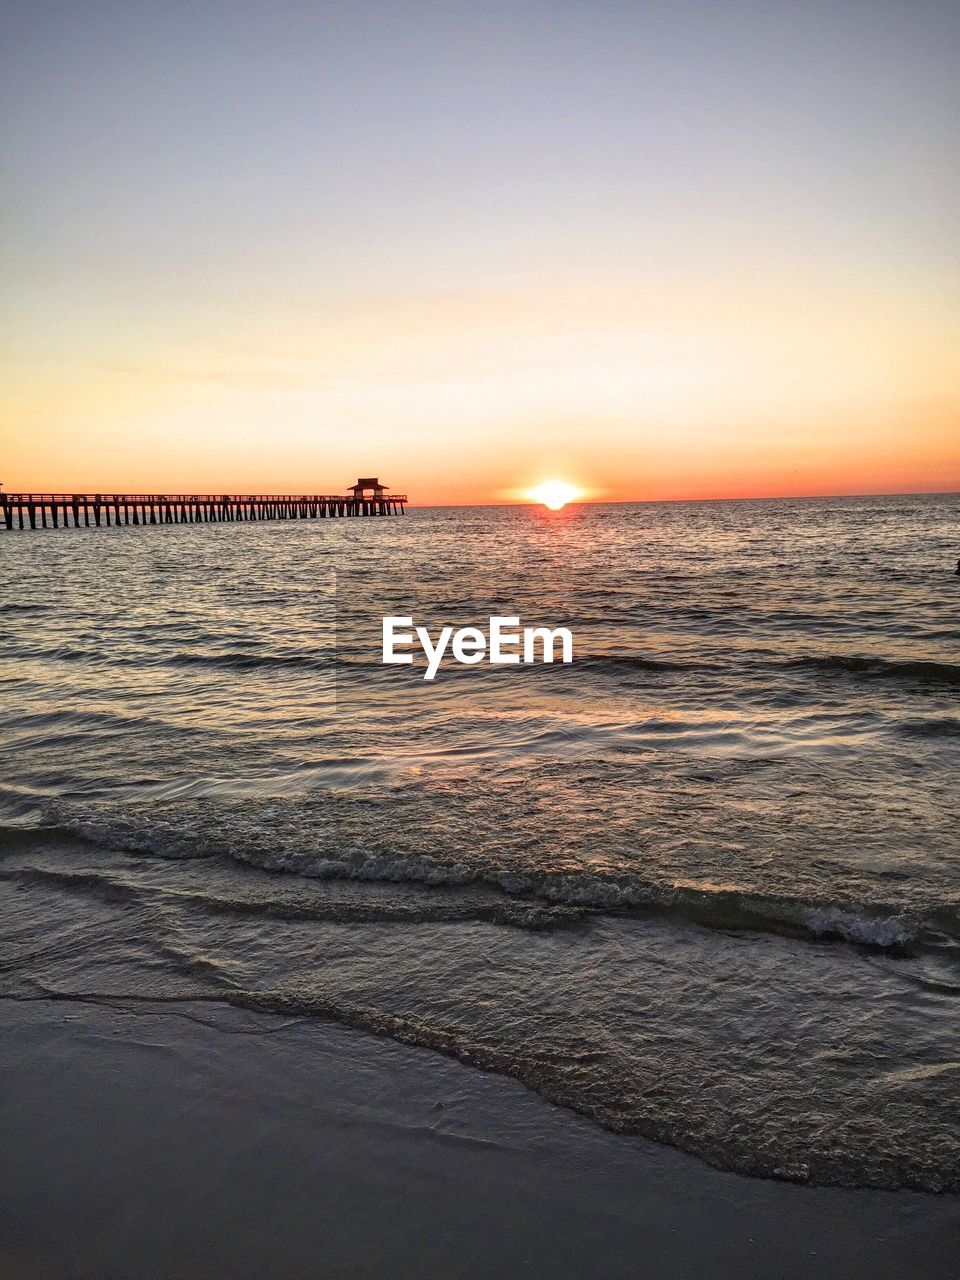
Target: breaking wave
577	894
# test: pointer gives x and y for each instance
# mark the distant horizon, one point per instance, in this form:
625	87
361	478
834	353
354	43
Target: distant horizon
752	497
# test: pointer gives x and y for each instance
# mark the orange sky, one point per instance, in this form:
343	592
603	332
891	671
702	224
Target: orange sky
630	391
657	253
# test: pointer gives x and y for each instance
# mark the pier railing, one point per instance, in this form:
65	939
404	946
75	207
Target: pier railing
20	510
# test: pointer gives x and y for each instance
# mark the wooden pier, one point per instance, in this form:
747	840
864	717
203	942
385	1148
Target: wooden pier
86	510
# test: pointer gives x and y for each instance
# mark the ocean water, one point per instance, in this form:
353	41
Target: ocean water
702	884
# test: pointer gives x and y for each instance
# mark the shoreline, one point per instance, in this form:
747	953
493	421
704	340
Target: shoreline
210	1141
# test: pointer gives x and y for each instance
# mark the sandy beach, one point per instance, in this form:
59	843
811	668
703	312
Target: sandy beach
198	1140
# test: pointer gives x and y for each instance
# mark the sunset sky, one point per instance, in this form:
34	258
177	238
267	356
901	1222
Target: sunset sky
657	249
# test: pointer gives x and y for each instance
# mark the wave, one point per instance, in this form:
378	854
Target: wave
722	909
921	670
652	1117
883	925
243	660
435	908
930	727
314	661
661	1112
638	662
308	661
918	670
311	660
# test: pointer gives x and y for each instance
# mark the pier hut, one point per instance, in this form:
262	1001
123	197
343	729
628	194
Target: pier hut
370	495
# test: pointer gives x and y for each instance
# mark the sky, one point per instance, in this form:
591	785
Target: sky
659	250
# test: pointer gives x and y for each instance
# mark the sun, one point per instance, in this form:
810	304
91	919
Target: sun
554	493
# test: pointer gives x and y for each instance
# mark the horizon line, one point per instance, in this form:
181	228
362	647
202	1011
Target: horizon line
767	497
573	502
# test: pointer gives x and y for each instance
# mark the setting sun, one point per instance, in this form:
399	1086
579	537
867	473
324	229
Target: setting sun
555	494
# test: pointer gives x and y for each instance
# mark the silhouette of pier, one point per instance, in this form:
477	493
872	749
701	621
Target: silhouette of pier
86	510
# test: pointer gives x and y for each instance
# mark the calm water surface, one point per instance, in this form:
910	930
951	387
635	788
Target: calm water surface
703	884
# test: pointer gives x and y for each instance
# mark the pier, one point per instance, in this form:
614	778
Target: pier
91	510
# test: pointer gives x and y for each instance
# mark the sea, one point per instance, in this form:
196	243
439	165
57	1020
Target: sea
701	884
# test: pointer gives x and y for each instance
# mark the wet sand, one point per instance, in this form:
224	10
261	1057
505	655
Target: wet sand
195	1140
